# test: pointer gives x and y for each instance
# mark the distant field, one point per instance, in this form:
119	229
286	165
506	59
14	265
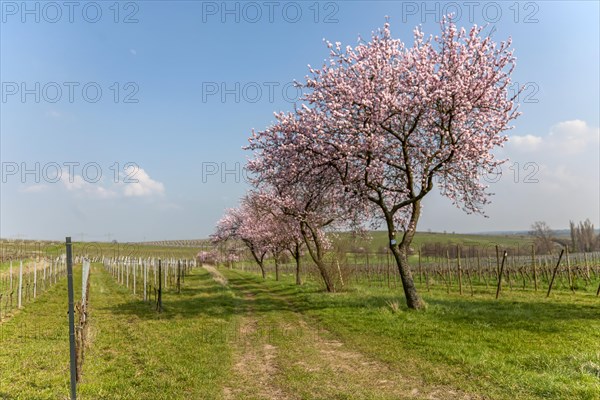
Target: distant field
376	241
379	239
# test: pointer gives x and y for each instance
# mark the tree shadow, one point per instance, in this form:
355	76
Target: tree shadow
534	316
245	293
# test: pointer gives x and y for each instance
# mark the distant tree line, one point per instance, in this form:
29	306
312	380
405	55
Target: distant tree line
583	237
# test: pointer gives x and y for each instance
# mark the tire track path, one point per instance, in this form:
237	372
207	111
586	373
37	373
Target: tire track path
281	354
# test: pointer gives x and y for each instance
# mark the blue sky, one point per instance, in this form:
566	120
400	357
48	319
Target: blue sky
161	67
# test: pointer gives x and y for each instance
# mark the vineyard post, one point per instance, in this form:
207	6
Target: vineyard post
569	275
448	269
34	279
159	300
554	273
470	282
587	266
500	273
387	258
178	276
145	267
460	289
420	268
72	352
535	284
154	271
20	288
166	272
479	271
44	277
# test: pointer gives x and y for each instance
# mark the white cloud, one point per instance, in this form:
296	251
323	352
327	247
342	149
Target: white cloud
570	137
552	176
526	143
133	182
35	188
139	184
573	136
79	185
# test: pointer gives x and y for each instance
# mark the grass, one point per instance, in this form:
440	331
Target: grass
523	346
258	339
134	352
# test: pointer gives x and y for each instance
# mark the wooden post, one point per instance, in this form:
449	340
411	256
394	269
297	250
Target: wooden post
569	276
479	272
184	271
178	276
388	267
166	272
470	282
500	274
587	266
497	260
34	279
154	272
460	290
145	266
554	273
20	288
535	284
448	268
420	267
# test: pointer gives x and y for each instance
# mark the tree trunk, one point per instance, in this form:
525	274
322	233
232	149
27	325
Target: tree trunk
276	268
297	258
260	262
262	270
316	254
329	286
413	300
400	252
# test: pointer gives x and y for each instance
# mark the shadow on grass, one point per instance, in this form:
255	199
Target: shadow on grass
201	296
535	315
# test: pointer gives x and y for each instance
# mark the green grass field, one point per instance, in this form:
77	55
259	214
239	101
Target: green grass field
379	239
254	339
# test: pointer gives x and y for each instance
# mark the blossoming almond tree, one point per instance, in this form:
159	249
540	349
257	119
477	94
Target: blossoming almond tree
304	192
263	228
245	223
392	120
286	233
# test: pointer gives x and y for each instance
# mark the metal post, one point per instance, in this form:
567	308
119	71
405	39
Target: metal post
72	353
159	301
